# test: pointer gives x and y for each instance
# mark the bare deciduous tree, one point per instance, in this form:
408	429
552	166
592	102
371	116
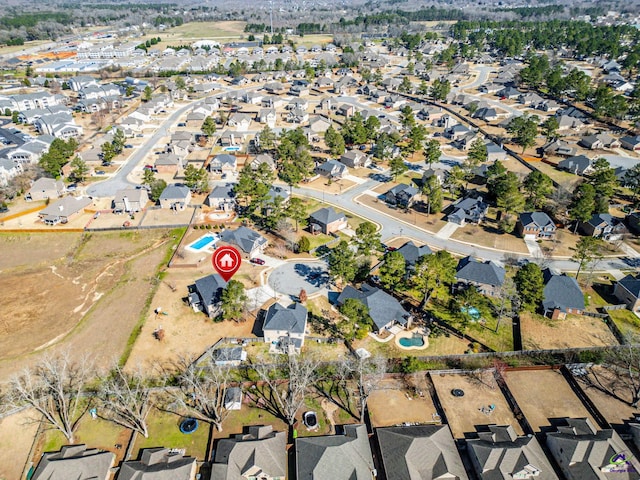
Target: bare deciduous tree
54	387
624	362
124	397
368	374
282	388
202	391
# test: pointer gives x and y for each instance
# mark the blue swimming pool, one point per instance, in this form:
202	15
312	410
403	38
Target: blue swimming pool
414	341
231	149
203	242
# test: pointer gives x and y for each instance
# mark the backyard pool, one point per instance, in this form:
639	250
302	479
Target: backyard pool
231	149
414	341
205	241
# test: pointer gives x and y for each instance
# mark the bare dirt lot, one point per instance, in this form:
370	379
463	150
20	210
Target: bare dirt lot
573	332
474	408
609	394
16	438
394	404
72	291
544	394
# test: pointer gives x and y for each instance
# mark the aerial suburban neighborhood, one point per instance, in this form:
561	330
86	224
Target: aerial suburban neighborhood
320	241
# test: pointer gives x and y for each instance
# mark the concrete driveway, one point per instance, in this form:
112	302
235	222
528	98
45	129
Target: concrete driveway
291	277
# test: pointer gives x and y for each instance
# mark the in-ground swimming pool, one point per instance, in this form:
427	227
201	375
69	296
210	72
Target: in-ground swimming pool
231	149
414	341
203	242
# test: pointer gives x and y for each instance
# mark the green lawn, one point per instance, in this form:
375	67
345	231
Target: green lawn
239	419
626	321
96	433
164	431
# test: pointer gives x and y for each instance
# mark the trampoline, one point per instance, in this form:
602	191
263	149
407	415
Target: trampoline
188	425
457	392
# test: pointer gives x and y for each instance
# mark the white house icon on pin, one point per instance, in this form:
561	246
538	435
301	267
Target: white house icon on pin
227	261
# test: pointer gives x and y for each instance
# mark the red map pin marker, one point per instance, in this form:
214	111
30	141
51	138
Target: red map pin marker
226	261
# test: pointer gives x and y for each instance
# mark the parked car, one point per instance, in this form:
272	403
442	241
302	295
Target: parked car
100	172
128	145
257	261
72	187
182	124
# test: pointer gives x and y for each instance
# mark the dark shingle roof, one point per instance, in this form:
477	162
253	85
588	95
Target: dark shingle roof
487	273
561	292
74	462
292	319
412	253
539	219
383	308
209	288
244	237
632	284
326	215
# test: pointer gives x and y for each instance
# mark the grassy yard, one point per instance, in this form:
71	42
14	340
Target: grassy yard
164	431
239	419
626	321
441	345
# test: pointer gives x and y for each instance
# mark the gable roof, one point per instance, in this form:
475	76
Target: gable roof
292	319
539	219
261	448
66	206
210	288
577	164
383	308
223	191
175	192
473	270
411	252
632	284
419	453
74	462
158	464
561	292
404	190
244	237
335	457
326	215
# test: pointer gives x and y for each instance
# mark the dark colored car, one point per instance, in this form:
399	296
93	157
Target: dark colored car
257	261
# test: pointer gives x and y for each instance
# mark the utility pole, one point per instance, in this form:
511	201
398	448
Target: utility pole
271	16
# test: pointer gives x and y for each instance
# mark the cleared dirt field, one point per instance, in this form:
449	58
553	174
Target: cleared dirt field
543	395
609	394
78	292
16	438
573	332
394	404
480	392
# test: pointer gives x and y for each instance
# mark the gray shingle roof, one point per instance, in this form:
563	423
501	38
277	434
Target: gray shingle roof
209	288
419	453
245	238
174	192
292	319
471	270
539	219
74	462
158	464
561	292
383	308
335	457
632	284
325	216
412	253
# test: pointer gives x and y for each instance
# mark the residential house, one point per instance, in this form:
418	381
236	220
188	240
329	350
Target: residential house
175	197
440	173
274	88
318	124
627	290
324	83
355	159
336	457
561	296
599	141
284	328
298	103
223	163
582	451
509	93
384	310
299	90
327	221
346	110
455	132
412	253
495	152
273	102
81	81
422	452
45	188
8	170
233	398
603	225
168	163
32	151
631	142
530	98
633	221
263	158
500	453
534	225
297	115
239	120
205	294
578	165
74	462
559	148
332	169
486	114
233	356
229	138
467	210
487	277
260	453
402	195
253	98
222	197
158	463
566	122
268	116
64	210
277	194
249	241
130	200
